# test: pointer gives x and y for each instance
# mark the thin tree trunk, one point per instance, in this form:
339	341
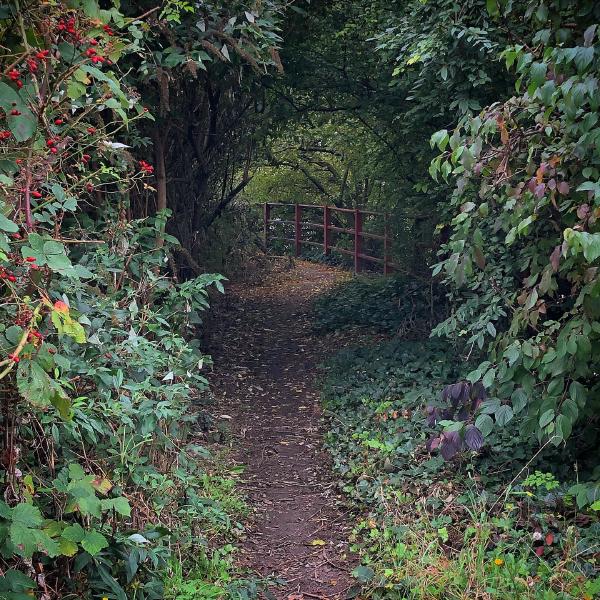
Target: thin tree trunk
161	182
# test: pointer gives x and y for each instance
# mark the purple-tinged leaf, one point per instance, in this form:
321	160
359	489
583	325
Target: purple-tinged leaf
531	185
451	444
552	184
540	190
478	391
563	188
588	35
463	414
583	211
473	438
433	443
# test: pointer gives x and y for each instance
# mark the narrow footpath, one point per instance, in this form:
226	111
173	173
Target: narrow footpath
266	357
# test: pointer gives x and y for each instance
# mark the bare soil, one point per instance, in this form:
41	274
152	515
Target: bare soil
266	356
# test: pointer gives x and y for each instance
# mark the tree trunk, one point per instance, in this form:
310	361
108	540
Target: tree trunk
161	182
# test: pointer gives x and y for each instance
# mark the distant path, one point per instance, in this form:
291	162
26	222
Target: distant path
265	359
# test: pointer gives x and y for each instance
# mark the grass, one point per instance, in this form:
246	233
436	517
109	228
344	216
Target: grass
208	570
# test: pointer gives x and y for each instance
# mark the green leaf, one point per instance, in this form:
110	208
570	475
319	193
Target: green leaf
74	533
94	542
120	505
503	415
363	574
8	225
547	417
485	424
24	125
492	7
27	515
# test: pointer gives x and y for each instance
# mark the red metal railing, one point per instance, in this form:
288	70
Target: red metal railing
357	233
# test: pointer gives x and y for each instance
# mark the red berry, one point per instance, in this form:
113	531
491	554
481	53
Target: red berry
91	130
11	278
14	357
53	150
85	158
14	74
31	259
93	42
50	142
89	187
58	121
15	113
19	84
36	194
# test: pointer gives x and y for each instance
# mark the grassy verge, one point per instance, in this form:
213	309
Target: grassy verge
208	570
498	523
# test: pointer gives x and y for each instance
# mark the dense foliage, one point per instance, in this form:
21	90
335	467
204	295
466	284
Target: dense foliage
523	252
469	520
104	481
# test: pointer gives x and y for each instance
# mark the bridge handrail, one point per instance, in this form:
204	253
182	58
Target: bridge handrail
357	232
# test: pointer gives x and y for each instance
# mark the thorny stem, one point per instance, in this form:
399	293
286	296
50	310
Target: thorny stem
10	361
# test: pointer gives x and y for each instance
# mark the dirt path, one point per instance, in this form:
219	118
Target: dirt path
266	356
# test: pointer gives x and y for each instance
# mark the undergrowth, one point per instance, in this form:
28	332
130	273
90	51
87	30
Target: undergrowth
502	522
397	305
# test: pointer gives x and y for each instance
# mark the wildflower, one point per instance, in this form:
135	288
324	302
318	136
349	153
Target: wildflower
498	562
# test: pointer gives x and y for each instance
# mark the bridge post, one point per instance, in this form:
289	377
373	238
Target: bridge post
326	225
357	239
298	230
267	216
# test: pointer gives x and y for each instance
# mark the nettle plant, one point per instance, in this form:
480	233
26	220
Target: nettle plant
455	414
522	261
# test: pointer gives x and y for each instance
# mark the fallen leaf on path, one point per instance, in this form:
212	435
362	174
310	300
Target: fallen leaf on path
318	543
